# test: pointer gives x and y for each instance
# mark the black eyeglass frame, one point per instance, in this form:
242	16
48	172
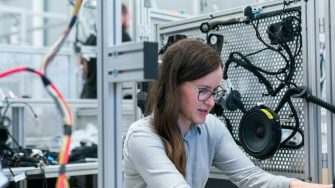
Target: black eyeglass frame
217	93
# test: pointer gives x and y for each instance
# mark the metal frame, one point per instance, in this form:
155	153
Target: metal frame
330	89
18	118
311	71
24	13
313	153
122	66
52	171
109	148
113	70
158	17
19	113
142	30
145	17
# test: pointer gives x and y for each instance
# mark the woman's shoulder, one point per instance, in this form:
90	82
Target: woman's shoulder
213	125
142	132
141	125
212	120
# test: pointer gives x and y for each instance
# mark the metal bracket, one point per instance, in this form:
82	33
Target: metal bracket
133	62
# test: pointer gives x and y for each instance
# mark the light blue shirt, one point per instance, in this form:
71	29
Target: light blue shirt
210	144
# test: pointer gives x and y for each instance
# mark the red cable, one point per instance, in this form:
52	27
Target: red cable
61	177
67	150
12	71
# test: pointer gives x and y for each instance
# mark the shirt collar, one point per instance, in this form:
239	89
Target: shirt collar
194	130
198	128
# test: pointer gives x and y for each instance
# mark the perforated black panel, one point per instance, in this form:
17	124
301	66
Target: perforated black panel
241	37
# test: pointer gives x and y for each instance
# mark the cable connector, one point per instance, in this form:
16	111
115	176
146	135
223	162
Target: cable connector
252	12
67	130
62	169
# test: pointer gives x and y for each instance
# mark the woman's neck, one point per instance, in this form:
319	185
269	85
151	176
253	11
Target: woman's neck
184	126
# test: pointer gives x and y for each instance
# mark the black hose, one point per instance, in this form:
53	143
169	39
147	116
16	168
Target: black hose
319	102
303	92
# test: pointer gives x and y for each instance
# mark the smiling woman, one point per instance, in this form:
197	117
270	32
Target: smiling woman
195	106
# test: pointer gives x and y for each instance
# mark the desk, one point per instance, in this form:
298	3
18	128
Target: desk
51	171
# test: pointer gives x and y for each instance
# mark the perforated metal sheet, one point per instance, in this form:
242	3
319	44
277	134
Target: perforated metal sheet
241	37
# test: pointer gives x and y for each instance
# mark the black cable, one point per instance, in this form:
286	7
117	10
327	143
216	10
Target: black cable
72	2
26	104
241	107
313	99
77	48
290	65
243	64
283	11
283	144
303	92
299	36
263	80
11	171
5	111
287	99
259	37
244	58
18	102
288	72
4	115
258	51
45	182
289	76
300	145
5	122
230	128
206	27
14	140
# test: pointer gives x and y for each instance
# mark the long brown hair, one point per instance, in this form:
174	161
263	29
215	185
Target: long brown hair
186	60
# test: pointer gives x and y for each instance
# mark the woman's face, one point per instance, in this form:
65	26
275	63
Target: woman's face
191	110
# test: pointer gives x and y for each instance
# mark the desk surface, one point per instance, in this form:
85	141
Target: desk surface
51	171
79	169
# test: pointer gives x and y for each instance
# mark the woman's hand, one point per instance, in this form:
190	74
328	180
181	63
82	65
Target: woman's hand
300	184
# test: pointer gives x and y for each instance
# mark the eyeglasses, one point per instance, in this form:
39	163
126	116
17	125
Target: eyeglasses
204	94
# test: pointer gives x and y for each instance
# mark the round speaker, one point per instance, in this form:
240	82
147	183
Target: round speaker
260	132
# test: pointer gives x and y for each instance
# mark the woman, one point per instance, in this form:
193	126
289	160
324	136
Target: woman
179	142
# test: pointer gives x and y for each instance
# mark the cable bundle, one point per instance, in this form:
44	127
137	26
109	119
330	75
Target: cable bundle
51	54
64	110
56	95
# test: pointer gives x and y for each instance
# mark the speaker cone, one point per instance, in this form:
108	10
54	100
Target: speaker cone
260	132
